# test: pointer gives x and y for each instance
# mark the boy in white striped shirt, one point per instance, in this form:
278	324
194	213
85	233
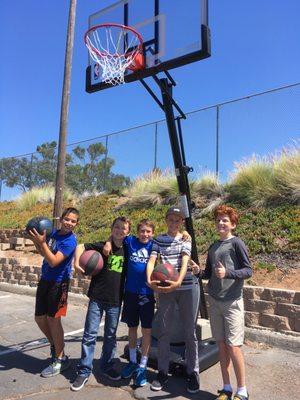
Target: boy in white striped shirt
173	250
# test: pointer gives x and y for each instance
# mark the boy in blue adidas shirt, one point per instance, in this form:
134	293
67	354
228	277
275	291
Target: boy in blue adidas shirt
139	300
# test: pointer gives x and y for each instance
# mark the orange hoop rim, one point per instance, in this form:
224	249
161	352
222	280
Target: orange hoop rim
107	25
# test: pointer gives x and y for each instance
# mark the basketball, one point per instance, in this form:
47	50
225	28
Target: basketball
40	224
91	261
164	272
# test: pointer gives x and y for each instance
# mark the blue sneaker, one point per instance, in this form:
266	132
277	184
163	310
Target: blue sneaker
140	378
129	370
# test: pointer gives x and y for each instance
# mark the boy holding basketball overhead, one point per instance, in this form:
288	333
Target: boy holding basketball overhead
172	249
105	294
52	290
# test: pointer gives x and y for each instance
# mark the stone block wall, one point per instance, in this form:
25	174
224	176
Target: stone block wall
274	310
16	271
12	239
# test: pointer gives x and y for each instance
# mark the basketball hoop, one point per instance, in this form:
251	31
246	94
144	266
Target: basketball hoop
115	48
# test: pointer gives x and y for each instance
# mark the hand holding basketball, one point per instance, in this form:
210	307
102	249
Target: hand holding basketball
78	269
164	278
172	285
36	237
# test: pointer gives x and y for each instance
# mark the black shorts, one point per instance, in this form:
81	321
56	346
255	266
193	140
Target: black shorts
138	307
51	298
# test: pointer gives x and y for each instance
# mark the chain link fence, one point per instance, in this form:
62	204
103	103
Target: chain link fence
214	138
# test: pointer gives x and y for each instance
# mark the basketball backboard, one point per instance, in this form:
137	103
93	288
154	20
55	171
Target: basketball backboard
174	32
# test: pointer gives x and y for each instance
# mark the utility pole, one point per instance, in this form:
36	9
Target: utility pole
61	157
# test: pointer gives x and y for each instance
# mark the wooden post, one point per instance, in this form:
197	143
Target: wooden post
61	157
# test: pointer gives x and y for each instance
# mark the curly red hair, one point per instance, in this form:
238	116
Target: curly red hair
229	211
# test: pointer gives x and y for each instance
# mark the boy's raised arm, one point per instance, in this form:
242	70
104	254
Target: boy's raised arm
150	267
41	245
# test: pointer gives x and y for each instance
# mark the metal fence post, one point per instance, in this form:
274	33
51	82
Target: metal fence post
155	147
105	163
217	142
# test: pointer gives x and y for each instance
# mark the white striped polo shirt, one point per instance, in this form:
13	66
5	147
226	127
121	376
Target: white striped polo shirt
171	249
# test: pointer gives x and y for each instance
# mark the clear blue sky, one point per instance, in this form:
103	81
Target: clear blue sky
255	47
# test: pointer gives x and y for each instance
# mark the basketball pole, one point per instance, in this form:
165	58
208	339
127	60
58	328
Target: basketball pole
181	171
61	155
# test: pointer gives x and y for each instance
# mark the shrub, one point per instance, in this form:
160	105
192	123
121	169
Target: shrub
39	195
287	174
153	188
207	185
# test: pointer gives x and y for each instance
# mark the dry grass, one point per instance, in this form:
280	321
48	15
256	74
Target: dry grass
40	195
153	188
263	181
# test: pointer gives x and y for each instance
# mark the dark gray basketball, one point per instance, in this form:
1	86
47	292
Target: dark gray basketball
91	261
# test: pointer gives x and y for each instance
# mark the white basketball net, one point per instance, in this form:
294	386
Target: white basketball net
115	48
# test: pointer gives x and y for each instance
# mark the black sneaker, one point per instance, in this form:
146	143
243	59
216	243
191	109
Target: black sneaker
193	385
159	381
224	395
79	382
112	374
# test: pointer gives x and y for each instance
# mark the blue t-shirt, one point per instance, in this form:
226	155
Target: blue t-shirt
137	256
66	244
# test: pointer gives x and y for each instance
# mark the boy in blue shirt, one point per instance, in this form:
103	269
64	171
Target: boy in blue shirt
52	290
139	302
138	298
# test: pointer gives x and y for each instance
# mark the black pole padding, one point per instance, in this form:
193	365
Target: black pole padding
181	175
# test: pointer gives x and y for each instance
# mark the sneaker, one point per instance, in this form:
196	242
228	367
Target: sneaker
140	378
159	381
56	367
193	385
129	370
240	397
79	382
224	395
112	374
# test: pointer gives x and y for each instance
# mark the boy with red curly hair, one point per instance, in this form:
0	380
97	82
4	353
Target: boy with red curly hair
227	266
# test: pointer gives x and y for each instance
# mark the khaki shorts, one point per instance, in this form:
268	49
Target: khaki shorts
227	321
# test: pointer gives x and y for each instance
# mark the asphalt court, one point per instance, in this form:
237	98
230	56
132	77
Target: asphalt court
271	373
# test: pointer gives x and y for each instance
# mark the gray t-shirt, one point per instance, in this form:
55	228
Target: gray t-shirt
232	253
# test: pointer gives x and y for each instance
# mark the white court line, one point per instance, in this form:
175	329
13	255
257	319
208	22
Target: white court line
3	297
24	347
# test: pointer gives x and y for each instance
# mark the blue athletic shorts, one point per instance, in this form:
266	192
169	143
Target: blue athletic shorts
136	308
